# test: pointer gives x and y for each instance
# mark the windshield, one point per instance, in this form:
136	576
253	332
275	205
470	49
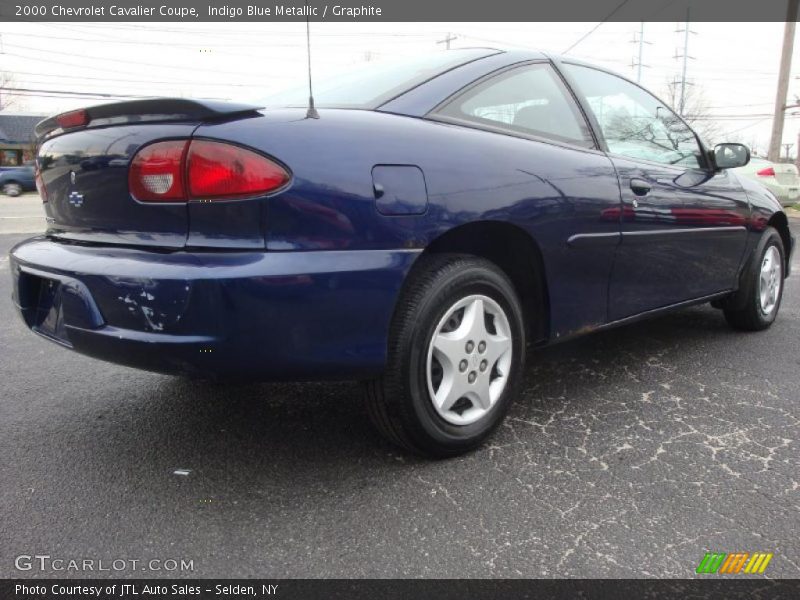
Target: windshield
375	83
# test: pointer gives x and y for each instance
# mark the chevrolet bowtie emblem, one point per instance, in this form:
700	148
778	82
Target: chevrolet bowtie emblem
76	199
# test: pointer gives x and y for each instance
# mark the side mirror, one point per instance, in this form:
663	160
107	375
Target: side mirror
730	156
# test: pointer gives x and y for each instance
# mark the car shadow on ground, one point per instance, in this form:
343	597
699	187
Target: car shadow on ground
308	428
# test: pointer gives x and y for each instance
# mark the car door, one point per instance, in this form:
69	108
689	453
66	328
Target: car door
683	225
547	176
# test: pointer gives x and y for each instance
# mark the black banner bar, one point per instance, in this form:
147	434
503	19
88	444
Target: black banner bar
391	10
385	589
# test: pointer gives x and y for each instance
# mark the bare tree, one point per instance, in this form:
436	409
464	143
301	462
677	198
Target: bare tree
749	140
7	101
696	111
662	135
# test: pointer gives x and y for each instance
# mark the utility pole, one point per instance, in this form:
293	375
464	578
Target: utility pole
2	51
448	38
787	147
637	63
797	156
685	56
783	81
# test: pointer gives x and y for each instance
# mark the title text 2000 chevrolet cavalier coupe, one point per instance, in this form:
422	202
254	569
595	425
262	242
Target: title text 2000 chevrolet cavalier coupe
434	219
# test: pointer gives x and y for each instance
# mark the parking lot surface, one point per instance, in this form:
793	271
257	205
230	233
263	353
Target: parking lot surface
630	453
23	214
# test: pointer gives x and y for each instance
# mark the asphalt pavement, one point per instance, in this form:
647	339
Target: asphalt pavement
631	453
22	214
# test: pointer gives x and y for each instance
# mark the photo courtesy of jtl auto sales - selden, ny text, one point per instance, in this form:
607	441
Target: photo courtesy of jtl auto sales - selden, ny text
371	299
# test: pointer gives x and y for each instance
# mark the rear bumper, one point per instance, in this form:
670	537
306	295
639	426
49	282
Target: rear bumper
262	315
788	197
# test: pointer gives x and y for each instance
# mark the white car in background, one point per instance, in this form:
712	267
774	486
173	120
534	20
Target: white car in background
779	178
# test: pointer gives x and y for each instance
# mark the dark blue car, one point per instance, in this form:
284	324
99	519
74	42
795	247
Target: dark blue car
433	220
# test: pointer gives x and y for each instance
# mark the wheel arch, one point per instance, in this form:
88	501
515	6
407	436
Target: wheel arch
780	222
515	252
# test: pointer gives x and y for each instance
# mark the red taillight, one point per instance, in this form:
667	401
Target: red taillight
180	170
766	172
40	185
156	173
217	170
75	118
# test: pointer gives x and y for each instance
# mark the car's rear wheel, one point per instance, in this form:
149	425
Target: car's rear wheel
12	189
762	287
455	357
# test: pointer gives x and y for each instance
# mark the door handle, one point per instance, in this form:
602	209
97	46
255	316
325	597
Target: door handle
640	187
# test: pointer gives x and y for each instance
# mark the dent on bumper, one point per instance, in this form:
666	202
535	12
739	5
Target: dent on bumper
268	315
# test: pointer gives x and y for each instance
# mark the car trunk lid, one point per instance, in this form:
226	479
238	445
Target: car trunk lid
84	170
786	174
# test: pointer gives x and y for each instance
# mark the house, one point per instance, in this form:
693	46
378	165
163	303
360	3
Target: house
17	138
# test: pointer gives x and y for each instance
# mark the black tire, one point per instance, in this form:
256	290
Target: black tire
744	310
12	188
398	402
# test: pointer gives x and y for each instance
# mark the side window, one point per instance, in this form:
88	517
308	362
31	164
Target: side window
635	123
531	100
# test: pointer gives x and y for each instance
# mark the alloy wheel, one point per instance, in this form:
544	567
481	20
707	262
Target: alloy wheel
770	280
469	359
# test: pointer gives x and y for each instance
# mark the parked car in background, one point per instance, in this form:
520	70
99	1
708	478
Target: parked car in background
779	178
434	219
16	180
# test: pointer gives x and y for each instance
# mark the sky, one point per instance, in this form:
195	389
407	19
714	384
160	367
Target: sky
733	65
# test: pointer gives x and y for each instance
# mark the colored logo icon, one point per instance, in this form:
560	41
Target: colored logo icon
738	562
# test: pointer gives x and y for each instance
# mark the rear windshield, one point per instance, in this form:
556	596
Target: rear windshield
375	83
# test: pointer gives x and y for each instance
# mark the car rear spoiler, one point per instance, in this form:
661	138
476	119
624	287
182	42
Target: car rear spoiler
139	111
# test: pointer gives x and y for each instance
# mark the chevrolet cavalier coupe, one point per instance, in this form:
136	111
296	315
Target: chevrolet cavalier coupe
430	222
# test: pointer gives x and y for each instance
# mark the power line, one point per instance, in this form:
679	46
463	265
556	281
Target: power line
498	42
591	31
50	61
100	94
60	96
738	129
132	81
195	45
128	62
733	117
447	39
740	105
134	62
87	96
91	67
238	33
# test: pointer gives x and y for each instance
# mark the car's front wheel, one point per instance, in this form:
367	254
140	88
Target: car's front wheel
757	302
12	189
455	357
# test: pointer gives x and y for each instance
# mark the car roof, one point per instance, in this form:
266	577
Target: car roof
423	98
418	100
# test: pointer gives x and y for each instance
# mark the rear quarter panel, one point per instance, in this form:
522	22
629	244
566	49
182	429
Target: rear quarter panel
550	191
763	205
